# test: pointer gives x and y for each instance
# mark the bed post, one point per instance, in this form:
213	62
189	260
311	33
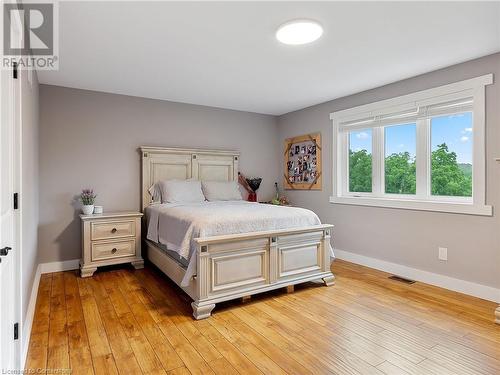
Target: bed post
497	315
200	310
329	280
325	244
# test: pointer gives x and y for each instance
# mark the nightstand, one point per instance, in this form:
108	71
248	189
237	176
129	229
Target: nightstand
110	238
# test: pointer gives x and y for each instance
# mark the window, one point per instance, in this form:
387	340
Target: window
400	166
360	161
451	157
422	151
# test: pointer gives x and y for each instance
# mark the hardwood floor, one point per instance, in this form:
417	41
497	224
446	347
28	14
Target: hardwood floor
126	321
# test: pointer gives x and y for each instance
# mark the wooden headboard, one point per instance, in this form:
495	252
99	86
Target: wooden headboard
164	163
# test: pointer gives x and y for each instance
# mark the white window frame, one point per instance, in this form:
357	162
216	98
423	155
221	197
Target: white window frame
375	113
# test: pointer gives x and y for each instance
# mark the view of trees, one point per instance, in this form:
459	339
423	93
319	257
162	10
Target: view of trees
400	174
448	177
360	171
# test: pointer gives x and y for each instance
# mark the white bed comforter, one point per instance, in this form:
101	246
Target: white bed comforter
176	225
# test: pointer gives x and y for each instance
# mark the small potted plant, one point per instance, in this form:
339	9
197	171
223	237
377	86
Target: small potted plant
88	198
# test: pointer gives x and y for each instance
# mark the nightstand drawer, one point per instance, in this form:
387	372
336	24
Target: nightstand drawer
115	249
114	229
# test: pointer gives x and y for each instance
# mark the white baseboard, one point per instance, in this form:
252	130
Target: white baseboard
65	265
30	313
457	285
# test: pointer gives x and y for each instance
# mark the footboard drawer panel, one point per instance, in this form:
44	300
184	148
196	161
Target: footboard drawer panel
299	255
238	270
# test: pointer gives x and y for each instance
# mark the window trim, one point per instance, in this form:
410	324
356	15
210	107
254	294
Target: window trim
422	200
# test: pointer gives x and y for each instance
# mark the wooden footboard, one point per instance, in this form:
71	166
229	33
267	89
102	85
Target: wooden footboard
239	265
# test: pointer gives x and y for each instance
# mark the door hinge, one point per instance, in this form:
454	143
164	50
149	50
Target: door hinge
16	331
16	201
14	70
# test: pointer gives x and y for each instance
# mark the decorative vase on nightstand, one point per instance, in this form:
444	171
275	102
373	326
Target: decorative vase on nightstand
88	209
88	198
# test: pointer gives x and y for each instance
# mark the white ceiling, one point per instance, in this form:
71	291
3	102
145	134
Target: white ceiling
225	54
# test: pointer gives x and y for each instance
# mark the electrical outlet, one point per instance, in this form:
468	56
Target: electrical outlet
442	253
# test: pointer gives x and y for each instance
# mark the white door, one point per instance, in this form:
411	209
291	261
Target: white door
7	217
9	174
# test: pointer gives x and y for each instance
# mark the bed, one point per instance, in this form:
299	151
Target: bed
217	251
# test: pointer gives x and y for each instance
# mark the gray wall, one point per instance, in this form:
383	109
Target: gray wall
29	192
407	237
90	139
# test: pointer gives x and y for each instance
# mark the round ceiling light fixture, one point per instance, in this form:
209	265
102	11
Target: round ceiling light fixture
298	32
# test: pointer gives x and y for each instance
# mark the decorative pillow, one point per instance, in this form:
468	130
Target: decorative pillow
181	191
221	191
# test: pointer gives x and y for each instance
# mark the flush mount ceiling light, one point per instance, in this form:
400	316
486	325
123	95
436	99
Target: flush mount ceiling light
299	32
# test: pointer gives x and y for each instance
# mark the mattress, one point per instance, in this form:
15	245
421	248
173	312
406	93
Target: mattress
176	225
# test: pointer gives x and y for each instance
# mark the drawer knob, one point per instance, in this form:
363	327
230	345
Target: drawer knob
113	230
113	250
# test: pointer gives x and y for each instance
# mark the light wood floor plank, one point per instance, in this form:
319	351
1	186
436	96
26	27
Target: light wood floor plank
79	348
189	355
99	344
57	295
58	346
236	358
221	366
279	356
295	349
337	358
179	371
74	311
39	340
163	349
252	352
105	364
389	369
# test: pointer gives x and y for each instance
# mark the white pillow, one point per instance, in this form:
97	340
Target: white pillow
181	191
221	191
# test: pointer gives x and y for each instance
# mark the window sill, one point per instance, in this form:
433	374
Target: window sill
449	207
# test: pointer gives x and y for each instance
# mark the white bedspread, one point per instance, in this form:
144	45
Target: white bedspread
176	225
